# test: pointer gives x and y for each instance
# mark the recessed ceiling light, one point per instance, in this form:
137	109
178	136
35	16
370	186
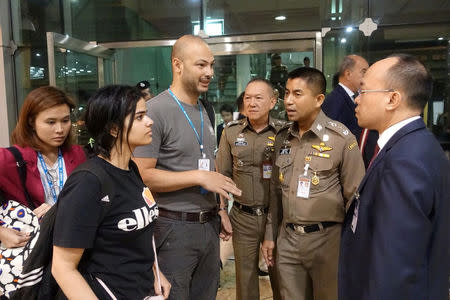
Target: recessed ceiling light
38	54
440	38
343	40
280	18
349	29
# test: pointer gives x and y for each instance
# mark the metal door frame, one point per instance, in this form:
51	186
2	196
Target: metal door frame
242	44
69	43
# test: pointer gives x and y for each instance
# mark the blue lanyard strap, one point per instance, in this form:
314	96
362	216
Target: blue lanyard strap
199	138
48	176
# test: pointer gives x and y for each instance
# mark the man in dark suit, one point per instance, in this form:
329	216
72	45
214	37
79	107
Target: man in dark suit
395	240
340	103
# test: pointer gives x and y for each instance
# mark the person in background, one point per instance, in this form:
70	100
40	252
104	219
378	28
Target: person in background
240	114
306	62
179	166
245	155
145	88
226	111
102	245
44	138
278	73
340	104
395	239
317	169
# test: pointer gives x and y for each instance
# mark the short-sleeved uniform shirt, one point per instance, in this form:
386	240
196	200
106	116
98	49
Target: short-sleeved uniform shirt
175	146
118	247
330	154
244	155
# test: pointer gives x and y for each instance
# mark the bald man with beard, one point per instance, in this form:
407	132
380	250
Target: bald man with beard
179	168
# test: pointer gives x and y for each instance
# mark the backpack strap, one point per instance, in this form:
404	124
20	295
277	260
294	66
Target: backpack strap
22	169
107	186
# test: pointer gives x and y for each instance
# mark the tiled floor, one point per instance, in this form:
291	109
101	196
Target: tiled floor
227	283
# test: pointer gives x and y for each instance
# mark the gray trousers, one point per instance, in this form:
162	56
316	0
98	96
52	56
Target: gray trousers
188	256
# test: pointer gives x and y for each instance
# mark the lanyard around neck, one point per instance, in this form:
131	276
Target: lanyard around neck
48	177
199	137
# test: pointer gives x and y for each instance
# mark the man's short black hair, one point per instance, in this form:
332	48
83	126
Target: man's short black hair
411	77
226	107
314	78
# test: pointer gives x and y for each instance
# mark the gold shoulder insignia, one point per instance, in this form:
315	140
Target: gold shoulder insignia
352	145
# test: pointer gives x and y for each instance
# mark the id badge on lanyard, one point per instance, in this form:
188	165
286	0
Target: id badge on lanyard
304	184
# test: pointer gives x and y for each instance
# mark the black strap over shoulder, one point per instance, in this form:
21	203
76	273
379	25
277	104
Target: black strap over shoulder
107	186
22	169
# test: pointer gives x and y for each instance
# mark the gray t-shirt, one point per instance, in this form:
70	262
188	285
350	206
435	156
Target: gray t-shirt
175	146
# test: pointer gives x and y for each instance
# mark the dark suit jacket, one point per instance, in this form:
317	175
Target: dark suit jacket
340	107
400	249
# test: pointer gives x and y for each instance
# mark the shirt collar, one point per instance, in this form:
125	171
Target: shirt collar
317	127
348	91
246	123
389	133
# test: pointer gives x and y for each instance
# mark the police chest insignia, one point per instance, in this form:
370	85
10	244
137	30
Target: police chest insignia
285	151
324	155
240	140
321	147
281	177
315	179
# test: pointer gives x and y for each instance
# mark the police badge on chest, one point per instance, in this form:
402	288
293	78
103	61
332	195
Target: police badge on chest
240	141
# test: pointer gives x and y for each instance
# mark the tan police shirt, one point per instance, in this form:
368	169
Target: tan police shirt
334	167
241	156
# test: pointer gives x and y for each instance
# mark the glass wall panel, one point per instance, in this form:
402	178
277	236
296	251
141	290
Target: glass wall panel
147	63
30	22
425	42
233	72
76	74
114	20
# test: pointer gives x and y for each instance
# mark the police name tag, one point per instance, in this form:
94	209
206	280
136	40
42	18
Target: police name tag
267	171
203	164
304	184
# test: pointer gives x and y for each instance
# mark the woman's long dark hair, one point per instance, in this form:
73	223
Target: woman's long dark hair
107	110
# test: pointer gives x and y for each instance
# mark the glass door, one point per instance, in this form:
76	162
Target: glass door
79	68
238	60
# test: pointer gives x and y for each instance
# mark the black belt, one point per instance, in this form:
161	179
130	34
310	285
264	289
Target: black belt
308	228
253	210
200	217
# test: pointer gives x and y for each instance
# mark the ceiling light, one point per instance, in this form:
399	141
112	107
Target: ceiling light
343	40
440	38
280	18
349	29
38	54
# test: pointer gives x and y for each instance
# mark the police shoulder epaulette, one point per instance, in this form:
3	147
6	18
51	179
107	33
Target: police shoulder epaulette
284	128
232	123
339	128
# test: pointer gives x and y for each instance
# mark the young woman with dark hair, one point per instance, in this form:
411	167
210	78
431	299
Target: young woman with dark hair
43	137
100	252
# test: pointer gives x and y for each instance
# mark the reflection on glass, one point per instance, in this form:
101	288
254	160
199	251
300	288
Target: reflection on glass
233	72
76	74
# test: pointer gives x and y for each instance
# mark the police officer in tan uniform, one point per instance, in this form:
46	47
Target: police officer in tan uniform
317	169
245	154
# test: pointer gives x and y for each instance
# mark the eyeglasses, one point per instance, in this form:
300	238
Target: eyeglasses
374	91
